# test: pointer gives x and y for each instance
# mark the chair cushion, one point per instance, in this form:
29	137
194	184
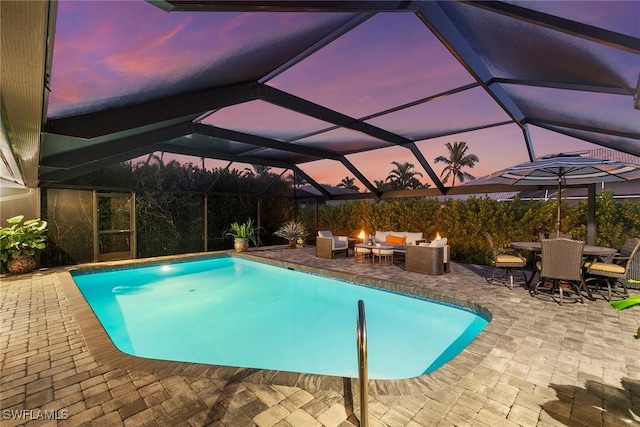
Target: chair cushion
363	250
339	243
509	259
412	237
380	251
381	236
395	240
325	234
438	242
606	268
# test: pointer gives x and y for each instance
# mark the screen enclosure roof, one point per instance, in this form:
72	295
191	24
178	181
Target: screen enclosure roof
329	85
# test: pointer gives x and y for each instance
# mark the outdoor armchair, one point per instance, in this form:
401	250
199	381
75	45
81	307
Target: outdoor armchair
327	244
617	272
505	259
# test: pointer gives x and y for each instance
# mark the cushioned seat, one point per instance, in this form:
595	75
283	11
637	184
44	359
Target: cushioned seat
383	255
505	259
614	274
361	254
327	244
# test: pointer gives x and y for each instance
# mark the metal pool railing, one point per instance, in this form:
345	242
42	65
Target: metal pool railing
361	339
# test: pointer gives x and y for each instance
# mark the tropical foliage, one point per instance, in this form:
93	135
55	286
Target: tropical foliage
21	239
245	231
402	177
457	160
348	183
292	231
464	221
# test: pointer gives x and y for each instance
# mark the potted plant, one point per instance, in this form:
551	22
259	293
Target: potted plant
243	234
20	241
292	231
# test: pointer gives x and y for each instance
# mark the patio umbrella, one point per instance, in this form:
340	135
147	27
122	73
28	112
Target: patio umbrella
565	169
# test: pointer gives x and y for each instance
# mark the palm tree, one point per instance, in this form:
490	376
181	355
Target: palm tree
349	183
403	177
458	159
296	179
256	170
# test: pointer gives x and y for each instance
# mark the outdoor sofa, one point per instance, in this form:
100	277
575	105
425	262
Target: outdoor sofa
418	260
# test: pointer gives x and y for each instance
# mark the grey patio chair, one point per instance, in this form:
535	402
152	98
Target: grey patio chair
505	259
614	274
327	245
561	264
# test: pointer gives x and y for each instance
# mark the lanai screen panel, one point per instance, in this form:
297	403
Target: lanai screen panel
581	109
497	148
611	15
153	54
515	49
443	116
389	60
342	140
268	120
376	165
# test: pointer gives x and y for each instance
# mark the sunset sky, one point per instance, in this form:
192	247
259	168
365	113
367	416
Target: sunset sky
106	51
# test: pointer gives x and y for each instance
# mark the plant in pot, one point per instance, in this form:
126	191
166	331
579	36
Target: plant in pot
20	241
242	234
292	231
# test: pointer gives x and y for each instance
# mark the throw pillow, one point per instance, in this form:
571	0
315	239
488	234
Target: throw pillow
395	240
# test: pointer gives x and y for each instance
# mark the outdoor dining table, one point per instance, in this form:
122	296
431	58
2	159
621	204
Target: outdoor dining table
590	251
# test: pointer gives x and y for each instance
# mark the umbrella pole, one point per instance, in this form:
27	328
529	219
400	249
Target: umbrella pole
558	199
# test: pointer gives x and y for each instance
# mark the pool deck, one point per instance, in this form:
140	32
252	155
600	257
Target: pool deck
536	364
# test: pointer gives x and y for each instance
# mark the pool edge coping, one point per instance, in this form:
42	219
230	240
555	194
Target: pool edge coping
104	351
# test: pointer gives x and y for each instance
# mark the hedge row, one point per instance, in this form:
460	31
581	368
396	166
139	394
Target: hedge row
464	222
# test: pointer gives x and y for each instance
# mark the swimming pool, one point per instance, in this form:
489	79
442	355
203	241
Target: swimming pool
234	312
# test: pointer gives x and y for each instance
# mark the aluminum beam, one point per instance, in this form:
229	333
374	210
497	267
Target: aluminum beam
190	105
281	5
573	28
93	153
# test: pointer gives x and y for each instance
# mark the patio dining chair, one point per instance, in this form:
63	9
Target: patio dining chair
613	275
561	264
506	260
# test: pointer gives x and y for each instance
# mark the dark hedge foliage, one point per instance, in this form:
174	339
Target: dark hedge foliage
464	222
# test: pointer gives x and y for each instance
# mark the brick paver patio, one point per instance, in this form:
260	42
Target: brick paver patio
536	364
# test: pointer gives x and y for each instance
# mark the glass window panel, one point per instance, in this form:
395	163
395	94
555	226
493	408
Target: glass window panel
264	119
512	48
618	16
153	54
389	60
376	165
496	148
343	140
471	108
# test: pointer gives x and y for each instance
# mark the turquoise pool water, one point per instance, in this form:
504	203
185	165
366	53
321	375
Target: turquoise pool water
234	312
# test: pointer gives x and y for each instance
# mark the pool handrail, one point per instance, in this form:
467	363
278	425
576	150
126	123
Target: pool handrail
361	340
